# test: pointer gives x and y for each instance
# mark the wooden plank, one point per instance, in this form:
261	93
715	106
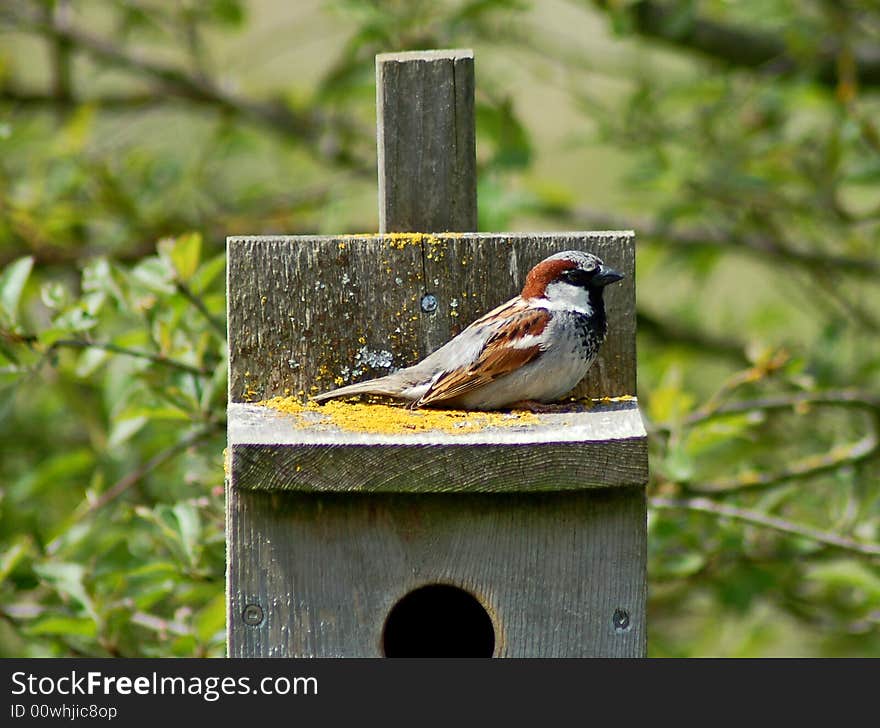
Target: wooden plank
307	313
603	447
426	141
550	569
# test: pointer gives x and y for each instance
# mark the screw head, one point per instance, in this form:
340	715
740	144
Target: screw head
621	620
429	303
252	614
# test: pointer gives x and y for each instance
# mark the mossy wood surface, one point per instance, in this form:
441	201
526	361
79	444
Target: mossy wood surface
308	314
603	447
550	569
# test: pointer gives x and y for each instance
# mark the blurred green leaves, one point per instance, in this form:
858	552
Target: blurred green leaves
183	254
753	190
125	549
12	281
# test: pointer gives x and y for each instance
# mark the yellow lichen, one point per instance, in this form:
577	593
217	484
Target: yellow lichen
621	398
399	241
393	419
590	402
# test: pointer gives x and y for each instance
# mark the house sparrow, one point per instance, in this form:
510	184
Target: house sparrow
533	349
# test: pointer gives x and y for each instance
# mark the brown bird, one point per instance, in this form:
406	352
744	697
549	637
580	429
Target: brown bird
534	348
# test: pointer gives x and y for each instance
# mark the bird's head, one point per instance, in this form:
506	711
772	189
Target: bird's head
570	279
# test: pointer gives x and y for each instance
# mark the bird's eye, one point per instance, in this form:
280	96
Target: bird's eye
578	277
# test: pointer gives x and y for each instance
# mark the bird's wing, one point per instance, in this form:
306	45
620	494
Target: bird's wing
514	343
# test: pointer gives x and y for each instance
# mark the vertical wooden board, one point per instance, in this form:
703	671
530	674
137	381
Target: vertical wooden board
307	314
551	569
426	141
310	313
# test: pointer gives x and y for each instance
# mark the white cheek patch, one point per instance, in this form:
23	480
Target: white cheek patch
566	297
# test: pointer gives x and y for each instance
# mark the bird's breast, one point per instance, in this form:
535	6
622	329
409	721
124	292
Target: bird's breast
575	335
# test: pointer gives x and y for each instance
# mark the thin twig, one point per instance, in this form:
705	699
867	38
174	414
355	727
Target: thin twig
196	301
760	371
802	469
120	102
850	454
159	459
160	359
763	520
855	398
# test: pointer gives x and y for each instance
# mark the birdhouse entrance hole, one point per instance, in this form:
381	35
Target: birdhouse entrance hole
438	620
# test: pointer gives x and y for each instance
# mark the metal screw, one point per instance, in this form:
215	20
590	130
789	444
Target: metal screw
621	620
252	614
429	303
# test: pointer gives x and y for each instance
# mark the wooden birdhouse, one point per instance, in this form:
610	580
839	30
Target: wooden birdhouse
366	530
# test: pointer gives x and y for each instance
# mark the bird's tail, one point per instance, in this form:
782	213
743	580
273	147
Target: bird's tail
371	386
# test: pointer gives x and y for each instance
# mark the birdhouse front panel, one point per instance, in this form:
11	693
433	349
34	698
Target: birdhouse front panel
550	575
366	529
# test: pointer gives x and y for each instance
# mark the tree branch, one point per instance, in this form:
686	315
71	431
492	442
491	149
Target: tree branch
185	291
128	480
850	454
671	333
744	48
62	71
113	348
108	102
842	455
757	246
762	520
832	398
802	469
312	126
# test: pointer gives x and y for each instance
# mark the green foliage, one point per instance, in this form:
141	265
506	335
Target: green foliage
753	188
112	512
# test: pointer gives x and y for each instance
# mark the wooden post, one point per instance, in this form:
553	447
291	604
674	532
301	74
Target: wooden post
334	534
426	145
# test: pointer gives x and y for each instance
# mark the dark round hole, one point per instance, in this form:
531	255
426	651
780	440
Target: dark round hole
438	621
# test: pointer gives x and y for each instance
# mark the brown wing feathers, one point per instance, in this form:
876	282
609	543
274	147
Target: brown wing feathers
498	357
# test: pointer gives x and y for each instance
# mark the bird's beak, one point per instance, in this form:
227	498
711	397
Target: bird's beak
605	276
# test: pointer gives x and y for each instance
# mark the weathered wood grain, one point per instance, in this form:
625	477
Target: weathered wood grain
592	449
426	146
550	569
309	313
